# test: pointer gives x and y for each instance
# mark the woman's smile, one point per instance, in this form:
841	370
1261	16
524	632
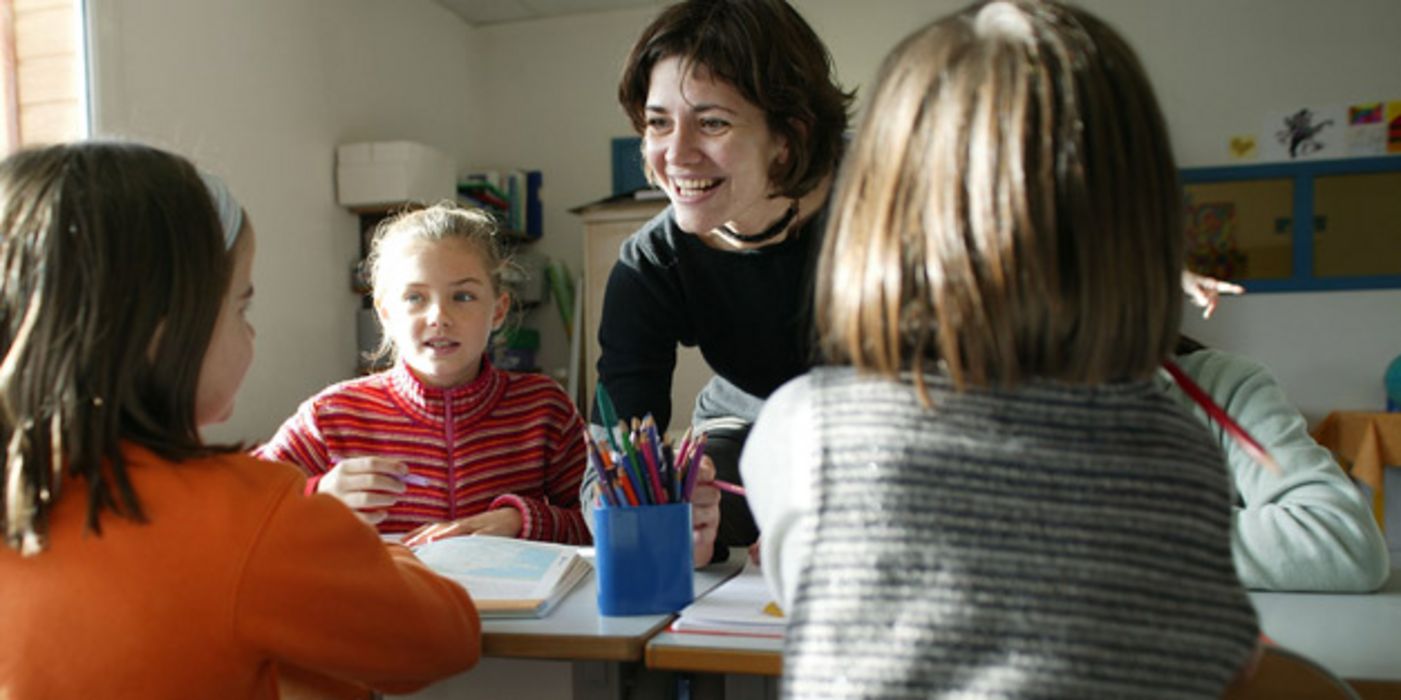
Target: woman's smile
710	150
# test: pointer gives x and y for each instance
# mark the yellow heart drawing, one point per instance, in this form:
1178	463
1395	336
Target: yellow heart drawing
1243	146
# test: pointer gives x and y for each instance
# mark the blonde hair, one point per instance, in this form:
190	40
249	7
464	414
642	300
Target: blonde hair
444	221
1010	208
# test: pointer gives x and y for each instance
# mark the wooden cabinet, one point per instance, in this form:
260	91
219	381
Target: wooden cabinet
606	226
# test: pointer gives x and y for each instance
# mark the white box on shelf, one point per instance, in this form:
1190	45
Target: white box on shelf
391	172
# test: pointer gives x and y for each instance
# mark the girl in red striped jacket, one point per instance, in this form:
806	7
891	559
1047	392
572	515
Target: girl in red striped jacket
442	443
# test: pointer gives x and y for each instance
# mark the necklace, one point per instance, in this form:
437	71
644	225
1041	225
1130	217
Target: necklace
777	228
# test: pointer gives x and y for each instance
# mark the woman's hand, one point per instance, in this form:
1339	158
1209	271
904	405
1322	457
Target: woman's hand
367	484
502	522
705	514
1205	291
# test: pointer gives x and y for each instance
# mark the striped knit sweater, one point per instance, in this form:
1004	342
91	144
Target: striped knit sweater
1044	542
502	440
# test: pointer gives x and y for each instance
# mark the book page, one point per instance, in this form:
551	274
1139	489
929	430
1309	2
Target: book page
741	605
499	567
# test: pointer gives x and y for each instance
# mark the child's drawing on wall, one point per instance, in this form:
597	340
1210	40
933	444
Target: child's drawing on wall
1301	133
1212	249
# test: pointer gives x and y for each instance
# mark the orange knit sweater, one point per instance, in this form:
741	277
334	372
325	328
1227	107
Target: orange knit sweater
235	574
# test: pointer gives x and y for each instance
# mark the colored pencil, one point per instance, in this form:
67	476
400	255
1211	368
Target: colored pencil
606	413
697	451
625	478
1218	414
728	487
636	466
605	487
654	478
633	462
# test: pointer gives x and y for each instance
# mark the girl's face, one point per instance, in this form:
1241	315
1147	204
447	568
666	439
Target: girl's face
710	150
438	306
231	347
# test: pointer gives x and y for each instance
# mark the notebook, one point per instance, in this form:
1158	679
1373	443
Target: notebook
507	577
741	606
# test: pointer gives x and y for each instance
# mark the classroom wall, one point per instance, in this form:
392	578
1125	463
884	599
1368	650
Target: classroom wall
261	91
1219	67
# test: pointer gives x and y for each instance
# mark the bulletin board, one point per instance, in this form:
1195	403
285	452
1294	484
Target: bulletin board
1306	225
1240	229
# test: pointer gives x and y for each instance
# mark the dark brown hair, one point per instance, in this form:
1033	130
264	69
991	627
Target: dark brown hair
114	272
1010	208
773	58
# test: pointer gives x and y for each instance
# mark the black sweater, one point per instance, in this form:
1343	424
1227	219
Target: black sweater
750	313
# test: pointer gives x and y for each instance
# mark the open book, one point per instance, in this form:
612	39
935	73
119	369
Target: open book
507	577
741	605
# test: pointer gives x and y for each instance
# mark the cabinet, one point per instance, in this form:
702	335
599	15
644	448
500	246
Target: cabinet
1299	226
606	225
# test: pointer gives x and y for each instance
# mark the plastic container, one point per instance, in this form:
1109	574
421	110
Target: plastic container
1393	385
643	558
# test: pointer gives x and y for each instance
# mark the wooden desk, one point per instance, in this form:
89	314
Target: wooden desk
707	653
1357	636
1365	443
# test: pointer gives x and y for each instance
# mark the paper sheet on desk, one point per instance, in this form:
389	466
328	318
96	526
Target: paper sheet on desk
741	605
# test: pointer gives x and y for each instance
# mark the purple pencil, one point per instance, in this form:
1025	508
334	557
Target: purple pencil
697	450
605	480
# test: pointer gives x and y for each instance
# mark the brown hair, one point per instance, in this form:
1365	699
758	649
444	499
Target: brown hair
1010	209
773	58
114	273
443	221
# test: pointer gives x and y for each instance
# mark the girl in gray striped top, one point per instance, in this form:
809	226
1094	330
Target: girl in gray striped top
989	497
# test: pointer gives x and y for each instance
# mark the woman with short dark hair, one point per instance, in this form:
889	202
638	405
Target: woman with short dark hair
742	125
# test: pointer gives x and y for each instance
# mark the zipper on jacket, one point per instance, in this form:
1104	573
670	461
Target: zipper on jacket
451	449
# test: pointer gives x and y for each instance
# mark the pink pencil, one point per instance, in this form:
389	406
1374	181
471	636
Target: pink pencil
727	487
1218	414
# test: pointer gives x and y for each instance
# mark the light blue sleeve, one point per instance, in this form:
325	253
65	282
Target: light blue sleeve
1307	529
779	465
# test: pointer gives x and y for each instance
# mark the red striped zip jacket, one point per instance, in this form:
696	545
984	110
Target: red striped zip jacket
504	439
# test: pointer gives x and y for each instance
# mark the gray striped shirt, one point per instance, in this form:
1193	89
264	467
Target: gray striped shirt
1051	541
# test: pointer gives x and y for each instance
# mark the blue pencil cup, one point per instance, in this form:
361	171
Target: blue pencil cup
643	558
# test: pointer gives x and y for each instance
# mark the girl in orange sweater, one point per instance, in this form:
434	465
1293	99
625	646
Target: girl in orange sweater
140	561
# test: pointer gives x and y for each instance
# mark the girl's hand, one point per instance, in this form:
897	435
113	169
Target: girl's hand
1205	291
367	484
705	514
502	522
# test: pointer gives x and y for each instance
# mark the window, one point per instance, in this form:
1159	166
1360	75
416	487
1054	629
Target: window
43	77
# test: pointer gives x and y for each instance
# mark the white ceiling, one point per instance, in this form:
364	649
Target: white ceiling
477	12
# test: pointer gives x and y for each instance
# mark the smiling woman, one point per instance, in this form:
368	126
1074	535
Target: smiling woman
741	123
710	150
